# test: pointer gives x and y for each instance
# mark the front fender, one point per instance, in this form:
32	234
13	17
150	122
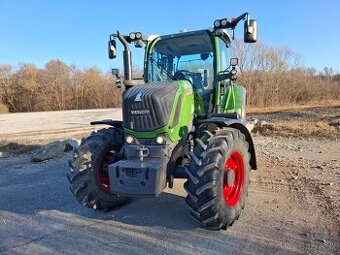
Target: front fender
237	124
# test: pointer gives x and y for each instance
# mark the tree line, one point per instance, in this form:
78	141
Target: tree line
276	77
273	76
55	87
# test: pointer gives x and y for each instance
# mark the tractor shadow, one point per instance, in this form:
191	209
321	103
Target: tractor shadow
36	189
168	211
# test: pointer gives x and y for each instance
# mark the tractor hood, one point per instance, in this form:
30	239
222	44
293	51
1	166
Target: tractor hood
148	107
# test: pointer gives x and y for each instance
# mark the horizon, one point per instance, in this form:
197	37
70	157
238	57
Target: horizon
77	32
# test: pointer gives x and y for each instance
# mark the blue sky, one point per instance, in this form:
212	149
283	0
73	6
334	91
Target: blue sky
76	32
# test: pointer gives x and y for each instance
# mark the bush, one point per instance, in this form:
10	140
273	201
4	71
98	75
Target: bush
3	108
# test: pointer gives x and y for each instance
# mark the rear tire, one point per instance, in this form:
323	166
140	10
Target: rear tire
88	170
218	180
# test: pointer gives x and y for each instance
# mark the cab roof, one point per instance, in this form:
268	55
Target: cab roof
185	43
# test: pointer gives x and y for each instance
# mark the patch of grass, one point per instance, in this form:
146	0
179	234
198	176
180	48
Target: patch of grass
299	128
317	129
3	147
313	122
16	148
3	144
294	107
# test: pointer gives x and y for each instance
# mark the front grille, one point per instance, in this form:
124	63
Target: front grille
148	107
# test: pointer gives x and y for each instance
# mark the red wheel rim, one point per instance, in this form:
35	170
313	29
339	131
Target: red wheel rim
103	174
233	180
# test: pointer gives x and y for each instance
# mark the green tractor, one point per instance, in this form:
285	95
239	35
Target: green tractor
184	119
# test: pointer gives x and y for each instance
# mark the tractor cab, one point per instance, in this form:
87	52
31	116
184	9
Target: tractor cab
185	56
188	56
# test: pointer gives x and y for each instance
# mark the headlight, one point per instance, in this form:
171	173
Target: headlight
138	35
129	139
224	22
160	140
132	36
217	23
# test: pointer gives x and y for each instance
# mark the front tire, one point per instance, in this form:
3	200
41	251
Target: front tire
218	180
88	170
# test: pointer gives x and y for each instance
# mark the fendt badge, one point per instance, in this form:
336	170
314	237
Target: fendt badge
139	97
140	112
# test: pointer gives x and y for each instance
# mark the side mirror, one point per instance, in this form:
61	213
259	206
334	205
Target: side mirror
112	49
115	73
234	62
250	31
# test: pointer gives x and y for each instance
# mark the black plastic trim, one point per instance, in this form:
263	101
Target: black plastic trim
109	122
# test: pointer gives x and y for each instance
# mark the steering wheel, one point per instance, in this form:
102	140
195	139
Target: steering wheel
183	75
190	76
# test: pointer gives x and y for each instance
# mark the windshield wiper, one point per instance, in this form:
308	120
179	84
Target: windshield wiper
162	69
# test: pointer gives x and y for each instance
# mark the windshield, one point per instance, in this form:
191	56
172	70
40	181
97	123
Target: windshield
185	57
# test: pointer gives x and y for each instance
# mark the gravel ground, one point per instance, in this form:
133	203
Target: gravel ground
41	126
293	208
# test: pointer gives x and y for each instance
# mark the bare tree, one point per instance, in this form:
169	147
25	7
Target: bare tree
55	85
7	87
26	79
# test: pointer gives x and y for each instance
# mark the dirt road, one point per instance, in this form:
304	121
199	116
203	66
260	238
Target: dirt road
293	208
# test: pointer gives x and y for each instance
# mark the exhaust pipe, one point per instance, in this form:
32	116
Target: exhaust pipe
126	57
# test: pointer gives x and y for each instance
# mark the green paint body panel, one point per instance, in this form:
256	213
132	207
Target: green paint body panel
185	97
199	104
234	99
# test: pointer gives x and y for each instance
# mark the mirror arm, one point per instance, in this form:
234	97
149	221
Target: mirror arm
123	41
127	57
235	21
